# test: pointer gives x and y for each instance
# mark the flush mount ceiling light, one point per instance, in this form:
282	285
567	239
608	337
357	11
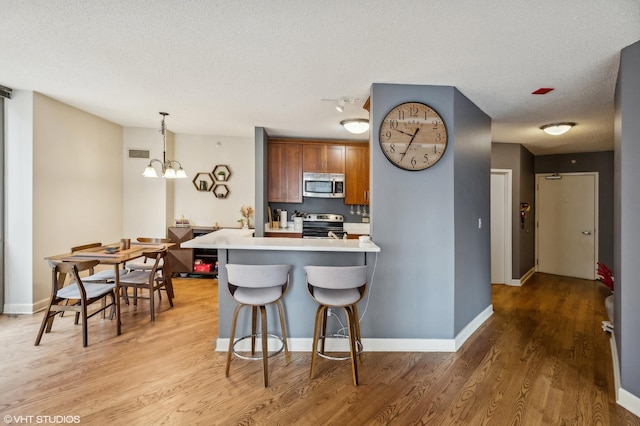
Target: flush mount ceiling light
556	129
167	166
356	125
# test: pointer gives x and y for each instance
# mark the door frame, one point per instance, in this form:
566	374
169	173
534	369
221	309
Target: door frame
596	218
508	223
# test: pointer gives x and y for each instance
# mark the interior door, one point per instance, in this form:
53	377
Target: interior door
566	237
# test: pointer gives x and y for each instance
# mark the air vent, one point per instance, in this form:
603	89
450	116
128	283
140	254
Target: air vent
138	153
5	92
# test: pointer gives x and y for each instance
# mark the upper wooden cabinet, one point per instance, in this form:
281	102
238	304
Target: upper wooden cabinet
323	158
284	172
356	178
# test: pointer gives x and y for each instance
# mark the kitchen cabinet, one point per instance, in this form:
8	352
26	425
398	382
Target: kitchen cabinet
356	178
284	172
182	260
323	158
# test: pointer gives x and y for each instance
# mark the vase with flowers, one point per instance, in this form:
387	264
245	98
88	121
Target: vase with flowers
246	212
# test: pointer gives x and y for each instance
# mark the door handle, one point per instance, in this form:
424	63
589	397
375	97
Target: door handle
588	232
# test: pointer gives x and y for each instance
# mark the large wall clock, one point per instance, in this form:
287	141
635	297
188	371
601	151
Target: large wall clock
413	136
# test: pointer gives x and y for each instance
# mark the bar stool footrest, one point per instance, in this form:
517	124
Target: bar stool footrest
359	348
256	357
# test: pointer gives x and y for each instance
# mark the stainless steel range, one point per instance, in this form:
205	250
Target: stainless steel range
323	225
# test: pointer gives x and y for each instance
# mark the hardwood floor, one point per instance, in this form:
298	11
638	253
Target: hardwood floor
541	359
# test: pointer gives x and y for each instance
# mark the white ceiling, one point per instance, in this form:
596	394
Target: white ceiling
225	67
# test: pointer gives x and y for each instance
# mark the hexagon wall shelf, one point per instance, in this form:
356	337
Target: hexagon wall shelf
220	190
221	173
203	181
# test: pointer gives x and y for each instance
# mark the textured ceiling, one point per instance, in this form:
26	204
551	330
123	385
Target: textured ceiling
224	67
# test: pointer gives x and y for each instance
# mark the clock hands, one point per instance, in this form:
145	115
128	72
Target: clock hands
404	133
410	142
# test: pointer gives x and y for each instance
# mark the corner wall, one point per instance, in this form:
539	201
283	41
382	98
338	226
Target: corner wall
422	288
626	225
64	188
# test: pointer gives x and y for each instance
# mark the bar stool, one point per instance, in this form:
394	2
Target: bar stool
258	286
337	287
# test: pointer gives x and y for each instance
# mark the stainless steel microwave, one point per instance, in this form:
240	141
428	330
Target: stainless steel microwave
323	185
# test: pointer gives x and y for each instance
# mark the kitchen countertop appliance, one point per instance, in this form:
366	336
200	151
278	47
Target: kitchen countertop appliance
319	225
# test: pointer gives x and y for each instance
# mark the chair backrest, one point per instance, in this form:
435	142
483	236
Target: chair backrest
156	256
85	247
153	240
336	277
69	268
258	276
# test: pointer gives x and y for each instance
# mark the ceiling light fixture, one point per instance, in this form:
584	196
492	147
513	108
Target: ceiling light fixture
342	102
356	125
556	129
168	169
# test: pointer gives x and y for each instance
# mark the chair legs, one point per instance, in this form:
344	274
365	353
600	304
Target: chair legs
319	334
264	336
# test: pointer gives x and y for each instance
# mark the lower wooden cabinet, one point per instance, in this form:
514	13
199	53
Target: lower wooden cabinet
191	261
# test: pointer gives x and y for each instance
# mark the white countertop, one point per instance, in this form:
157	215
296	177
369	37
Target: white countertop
238	240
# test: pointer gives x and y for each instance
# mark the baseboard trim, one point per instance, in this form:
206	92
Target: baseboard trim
628	401
624	398
304	344
523	279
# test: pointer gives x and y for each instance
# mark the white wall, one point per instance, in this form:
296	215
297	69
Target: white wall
18	202
199	153
146	200
64	188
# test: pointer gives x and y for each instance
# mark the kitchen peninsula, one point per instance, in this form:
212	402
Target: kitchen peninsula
234	247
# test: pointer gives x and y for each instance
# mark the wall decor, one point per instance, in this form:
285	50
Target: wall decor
221	173
203	181
220	190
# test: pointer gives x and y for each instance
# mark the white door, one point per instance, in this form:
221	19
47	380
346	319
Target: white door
566	238
500	226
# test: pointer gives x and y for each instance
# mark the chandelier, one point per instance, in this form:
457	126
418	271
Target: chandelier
168	169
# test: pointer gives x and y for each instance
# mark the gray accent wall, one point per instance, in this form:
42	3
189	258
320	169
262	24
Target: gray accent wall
434	272
626	224
261	215
601	162
520	161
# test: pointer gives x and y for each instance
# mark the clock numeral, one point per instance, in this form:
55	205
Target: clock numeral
435	124
413	111
387	134
426	159
393	124
400	114
392	148
413	161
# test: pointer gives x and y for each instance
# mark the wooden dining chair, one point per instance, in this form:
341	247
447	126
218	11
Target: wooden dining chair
152	280
108	275
75	297
145	264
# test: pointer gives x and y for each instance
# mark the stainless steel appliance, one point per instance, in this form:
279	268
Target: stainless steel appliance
323	225
323	185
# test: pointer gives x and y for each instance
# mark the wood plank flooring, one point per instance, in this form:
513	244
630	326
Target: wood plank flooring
541	359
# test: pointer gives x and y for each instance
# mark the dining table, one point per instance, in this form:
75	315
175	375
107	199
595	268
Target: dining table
113	254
